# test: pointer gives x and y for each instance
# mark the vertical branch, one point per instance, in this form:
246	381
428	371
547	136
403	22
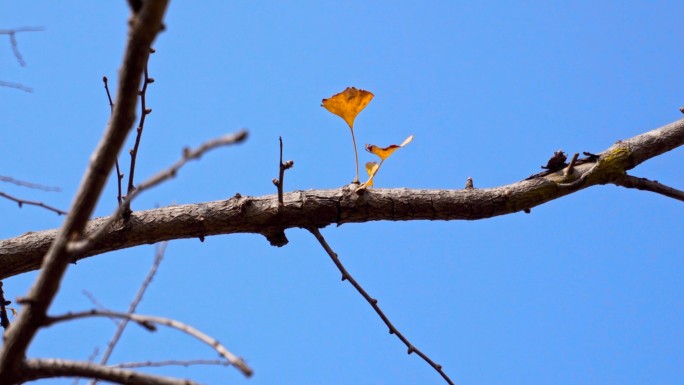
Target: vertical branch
281	173
119	175
4	319
144	111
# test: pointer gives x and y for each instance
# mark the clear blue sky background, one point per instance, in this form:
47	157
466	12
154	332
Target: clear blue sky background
584	290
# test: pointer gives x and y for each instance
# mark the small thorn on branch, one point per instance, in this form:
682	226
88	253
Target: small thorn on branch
469	184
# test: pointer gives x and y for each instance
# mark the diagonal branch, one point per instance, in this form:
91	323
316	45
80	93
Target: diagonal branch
18	86
629	181
374	303
144	28
148	322
22	202
37	369
159	255
22	183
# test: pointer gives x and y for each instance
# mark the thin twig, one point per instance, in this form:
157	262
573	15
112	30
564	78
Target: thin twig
119	175
629	181
280	182
144	111
99	306
28	184
160	249
150	364
91	358
374	303
82	246
148	323
18	86
22	202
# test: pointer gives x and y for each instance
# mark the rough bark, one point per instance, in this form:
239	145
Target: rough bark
319	208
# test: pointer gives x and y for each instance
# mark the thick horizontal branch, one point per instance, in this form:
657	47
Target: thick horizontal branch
36	369
320	208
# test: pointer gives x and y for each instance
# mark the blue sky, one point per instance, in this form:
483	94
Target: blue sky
584	290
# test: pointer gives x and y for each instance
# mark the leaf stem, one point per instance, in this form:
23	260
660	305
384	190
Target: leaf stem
356	156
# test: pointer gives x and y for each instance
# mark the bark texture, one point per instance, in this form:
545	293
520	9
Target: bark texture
320	208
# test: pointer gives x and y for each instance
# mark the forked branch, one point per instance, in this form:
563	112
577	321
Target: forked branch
148	322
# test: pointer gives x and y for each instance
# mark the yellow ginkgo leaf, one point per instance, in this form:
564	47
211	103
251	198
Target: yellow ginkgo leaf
384	153
371	169
348	103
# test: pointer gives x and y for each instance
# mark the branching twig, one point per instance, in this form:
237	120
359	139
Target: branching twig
28	184
36	369
159	255
374	303
15	50
22	202
148	322
144	111
81	247
280	182
119	175
13	40
649	185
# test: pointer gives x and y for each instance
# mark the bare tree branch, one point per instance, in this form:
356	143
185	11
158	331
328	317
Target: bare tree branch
150	364
36	369
144	111
319	208
18	86
159	255
22	183
83	246
144	28
374	304
119	175
13	40
629	181
22	202
148	322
